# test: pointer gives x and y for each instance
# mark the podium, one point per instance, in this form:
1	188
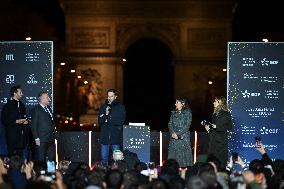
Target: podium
137	139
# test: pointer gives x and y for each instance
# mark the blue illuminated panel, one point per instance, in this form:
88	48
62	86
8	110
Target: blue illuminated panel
255	97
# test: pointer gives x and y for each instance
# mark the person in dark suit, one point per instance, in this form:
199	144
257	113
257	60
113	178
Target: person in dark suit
43	129
218	130
111	119
13	117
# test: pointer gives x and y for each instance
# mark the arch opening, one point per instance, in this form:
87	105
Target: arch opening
149	83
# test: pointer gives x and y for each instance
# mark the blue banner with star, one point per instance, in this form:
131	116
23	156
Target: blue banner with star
256	98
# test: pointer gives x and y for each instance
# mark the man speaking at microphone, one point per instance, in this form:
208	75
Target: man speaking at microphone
111	118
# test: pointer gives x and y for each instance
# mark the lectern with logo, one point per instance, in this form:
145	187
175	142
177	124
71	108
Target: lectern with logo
137	139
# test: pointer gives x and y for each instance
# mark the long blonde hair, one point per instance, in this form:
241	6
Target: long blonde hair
222	105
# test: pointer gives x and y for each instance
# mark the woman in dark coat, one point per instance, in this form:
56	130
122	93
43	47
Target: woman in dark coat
179	124
218	130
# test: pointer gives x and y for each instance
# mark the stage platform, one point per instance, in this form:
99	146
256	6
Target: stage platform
74	145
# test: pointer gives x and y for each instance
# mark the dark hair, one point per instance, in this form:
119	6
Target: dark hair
96	177
278	165
16	162
193	171
195	182
114	179
256	166
159	184
170	167
176	182
130	158
14	89
112	90
205	167
121	165
212	158
77	175
38	184
210	178
130	179
139	166
184	101
41	93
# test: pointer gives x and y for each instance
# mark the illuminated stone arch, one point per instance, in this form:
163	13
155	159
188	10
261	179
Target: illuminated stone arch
167	34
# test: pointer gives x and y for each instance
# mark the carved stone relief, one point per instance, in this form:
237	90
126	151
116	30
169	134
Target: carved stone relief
90	90
129	33
91	37
206	38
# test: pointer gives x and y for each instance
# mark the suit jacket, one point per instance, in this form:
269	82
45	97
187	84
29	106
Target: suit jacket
15	134
42	124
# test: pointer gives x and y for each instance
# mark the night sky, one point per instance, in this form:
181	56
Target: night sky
254	20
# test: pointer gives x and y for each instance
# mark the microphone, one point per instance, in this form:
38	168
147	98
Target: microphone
205	122
107	103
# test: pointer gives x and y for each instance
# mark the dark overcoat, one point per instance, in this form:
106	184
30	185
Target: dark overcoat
218	137
15	133
112	125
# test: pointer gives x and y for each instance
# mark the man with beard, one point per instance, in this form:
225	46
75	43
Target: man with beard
111	119
14	119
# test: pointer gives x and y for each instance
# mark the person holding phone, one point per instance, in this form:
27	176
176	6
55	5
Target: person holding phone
179	124
266	160
236	164
218	130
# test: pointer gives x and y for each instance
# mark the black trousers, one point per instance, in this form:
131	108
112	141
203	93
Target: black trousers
46	151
